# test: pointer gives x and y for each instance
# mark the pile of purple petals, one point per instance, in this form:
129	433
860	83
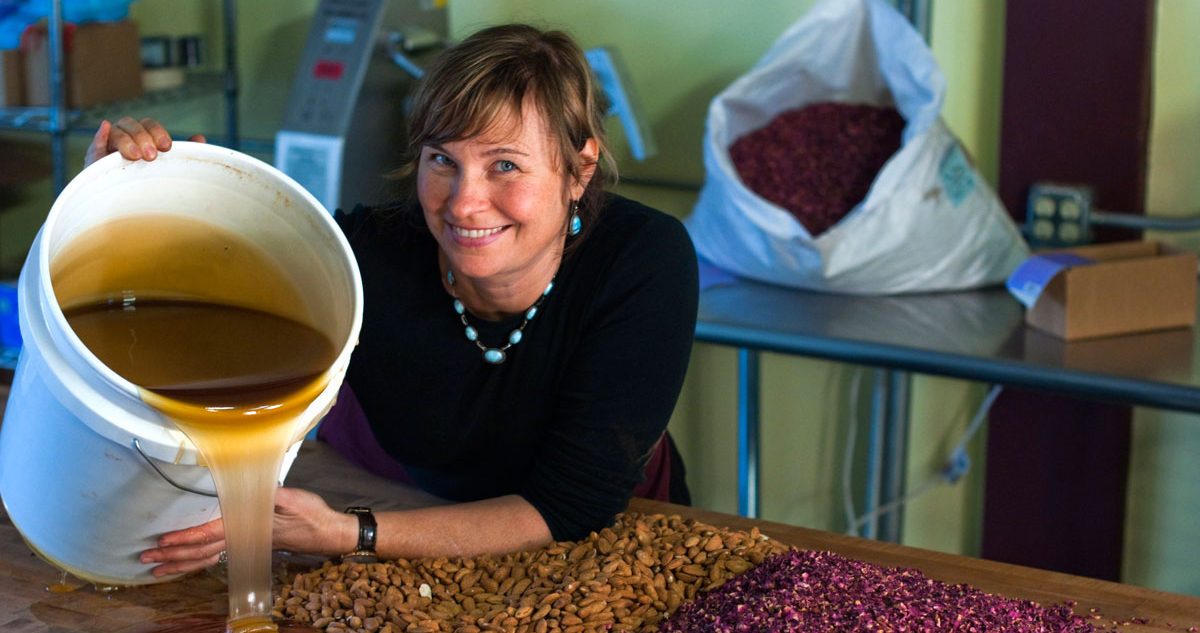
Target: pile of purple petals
807	591
818	161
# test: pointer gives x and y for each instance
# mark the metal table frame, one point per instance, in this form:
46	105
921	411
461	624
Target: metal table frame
976	335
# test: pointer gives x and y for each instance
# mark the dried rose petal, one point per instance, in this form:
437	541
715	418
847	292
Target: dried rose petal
801	591
818	161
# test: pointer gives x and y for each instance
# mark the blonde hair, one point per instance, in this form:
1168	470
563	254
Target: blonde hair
490	74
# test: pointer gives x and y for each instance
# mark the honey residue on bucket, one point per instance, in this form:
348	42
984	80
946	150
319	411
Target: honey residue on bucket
211	331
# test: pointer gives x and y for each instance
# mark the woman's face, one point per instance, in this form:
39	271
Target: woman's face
497	202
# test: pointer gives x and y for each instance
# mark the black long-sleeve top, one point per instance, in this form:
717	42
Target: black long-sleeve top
569	419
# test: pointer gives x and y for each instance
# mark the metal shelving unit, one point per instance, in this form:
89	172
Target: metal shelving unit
59	121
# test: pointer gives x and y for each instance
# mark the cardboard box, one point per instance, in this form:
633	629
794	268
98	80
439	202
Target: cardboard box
102	63
1119	288
12	92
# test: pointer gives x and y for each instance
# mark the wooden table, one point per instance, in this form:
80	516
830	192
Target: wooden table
27	606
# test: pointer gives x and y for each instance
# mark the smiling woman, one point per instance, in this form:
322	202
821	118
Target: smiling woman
498	205
525	334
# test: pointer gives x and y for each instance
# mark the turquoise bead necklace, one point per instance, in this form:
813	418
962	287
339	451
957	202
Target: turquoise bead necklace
495	355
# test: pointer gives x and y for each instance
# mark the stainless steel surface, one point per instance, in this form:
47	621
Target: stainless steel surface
975	335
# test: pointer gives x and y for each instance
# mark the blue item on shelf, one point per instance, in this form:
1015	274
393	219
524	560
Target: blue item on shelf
10	331
11	28
16	15
8	7
78	11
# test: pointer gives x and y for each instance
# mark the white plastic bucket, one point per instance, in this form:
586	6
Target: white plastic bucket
83	461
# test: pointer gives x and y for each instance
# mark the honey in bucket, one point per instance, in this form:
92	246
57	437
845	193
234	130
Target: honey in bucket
205	324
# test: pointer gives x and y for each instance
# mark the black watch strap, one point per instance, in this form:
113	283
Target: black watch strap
364	551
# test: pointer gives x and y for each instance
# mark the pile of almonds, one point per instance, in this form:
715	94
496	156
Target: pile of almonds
627	577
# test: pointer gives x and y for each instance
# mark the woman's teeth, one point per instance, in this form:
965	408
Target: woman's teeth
476	233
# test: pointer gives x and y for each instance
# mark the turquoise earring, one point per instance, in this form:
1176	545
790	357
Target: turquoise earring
575	225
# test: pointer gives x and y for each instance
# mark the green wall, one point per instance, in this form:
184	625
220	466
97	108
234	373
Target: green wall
1164	489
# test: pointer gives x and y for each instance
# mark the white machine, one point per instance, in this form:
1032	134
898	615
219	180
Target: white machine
343	129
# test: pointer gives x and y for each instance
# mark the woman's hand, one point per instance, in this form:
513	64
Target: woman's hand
303	524
135	140
187	550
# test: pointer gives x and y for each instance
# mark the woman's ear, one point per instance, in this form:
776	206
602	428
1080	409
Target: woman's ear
589	155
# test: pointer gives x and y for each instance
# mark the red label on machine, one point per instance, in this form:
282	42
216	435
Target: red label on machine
328	69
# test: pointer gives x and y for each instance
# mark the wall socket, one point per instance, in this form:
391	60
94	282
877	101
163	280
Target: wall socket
1058	215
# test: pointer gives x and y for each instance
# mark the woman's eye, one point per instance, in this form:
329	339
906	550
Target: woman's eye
506	165
441	159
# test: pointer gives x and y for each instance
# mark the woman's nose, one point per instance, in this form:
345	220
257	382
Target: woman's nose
468	196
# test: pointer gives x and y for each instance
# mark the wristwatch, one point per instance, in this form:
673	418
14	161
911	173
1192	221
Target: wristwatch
364	552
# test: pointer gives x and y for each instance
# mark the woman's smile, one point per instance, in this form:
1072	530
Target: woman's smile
476	237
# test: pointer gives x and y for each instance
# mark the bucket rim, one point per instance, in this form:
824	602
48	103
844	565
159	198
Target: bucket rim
192	151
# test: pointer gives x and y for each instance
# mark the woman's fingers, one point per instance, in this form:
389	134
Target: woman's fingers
136	139
161	139
213	531
303	523
186	559
133	139
187	550
99	147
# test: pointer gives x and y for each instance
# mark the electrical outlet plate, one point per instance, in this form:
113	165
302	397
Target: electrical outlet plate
1058	215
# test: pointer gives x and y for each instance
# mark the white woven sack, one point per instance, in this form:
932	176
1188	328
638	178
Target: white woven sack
929	222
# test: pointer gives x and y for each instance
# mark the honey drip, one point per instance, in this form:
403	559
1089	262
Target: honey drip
163	301
206	623
62	586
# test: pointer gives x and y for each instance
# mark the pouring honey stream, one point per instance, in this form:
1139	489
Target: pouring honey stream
165	303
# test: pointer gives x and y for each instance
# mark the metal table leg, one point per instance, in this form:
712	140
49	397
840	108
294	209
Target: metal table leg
895	455
871	501
888	451
887	460
748	475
